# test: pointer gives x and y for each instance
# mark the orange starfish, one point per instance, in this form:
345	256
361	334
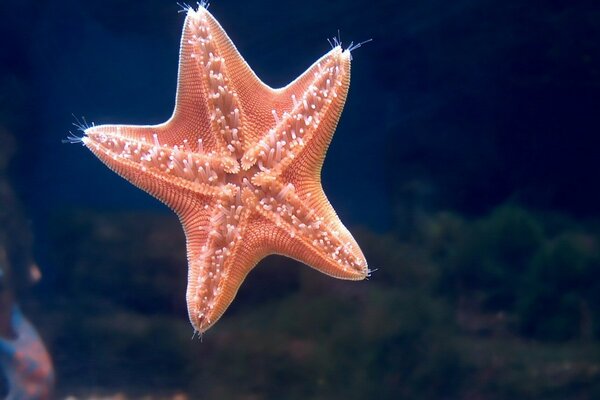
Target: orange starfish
240	164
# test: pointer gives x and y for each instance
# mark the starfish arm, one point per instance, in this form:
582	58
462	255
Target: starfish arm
191	114
218	258
311	232
327	263
204	83
168	173
308	160
304	129
254	96
343	254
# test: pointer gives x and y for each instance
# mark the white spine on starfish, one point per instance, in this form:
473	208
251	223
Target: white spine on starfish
180	161
222	236
222	99
287	210
294	129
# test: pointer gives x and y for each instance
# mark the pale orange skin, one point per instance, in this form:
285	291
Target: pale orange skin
240	164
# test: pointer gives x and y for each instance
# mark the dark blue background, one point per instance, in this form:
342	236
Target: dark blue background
458	105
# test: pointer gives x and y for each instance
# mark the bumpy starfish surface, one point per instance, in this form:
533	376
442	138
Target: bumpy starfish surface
240	164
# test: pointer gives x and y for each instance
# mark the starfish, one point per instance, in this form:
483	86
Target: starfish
240	164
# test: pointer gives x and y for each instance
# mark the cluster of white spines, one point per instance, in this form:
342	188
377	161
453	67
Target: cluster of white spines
222	99
290	212
294	129
180	161
223	233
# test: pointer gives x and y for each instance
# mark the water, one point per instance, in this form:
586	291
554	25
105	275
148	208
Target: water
464	164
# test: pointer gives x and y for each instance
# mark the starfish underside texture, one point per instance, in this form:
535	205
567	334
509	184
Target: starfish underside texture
240	164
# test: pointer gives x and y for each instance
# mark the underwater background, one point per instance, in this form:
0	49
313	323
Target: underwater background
466	165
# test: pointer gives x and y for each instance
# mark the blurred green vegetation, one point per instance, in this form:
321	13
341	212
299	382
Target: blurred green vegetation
545	274
502	306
